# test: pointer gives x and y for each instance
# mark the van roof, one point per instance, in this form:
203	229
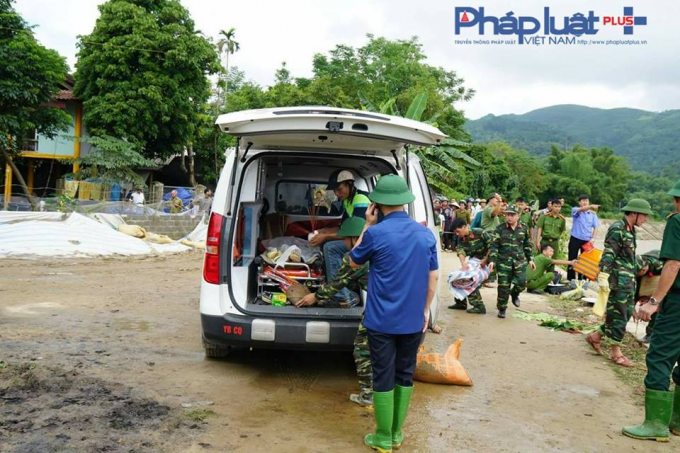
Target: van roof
314	127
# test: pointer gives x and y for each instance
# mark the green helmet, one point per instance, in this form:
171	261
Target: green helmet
352	227
391	190
675	191
638	205
511	208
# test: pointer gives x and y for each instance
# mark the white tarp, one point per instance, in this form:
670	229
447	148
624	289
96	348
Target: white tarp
77	236
20	216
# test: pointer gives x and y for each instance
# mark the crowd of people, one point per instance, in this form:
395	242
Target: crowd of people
518	243
515	244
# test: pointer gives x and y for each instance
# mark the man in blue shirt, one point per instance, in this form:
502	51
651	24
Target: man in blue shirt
401	285
583	229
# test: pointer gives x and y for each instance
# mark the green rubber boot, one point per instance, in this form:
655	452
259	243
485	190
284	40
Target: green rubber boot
383	408
658	410
402	399
675	419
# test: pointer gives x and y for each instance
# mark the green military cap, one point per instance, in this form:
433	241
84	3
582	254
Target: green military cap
638	205
511	208
391	190
675	191
351	227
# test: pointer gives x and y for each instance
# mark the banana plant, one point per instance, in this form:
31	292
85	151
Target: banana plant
443	164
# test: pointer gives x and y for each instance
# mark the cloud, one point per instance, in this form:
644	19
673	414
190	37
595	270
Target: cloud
508	79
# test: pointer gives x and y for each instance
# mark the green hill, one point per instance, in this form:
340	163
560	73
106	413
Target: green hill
650	141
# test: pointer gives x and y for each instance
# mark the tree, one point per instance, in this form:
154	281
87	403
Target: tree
227	46
142	74
30	75
112	160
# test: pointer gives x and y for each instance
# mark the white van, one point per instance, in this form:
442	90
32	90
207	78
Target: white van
273	186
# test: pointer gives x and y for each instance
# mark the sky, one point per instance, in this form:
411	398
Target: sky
507	78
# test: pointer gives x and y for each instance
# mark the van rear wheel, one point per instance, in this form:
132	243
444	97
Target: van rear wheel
215	351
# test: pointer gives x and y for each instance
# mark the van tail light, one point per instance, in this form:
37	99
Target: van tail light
423	223
211	263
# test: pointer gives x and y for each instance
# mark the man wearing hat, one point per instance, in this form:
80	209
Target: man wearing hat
618	270
510	252
585	223
354	203
662	408
401	285
357	280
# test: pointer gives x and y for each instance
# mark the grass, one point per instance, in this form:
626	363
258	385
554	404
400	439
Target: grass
199	415
631	348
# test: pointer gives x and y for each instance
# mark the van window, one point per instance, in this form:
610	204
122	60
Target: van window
296	197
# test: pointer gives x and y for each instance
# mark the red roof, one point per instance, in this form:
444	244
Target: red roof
66	92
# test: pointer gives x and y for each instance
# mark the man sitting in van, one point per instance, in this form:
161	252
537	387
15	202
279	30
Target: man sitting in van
354	203
356	279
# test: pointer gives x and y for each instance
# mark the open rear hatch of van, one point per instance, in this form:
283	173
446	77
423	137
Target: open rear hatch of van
291	147
324	128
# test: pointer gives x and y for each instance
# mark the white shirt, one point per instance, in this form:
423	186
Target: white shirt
138	198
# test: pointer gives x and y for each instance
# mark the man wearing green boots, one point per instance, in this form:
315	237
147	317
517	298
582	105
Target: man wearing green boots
662	407
401	285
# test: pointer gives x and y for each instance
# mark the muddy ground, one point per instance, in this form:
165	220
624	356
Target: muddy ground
104	355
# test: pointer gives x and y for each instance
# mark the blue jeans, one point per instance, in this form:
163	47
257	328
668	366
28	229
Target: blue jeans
333	251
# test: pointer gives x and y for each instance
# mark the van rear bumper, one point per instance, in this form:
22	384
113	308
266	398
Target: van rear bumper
287	333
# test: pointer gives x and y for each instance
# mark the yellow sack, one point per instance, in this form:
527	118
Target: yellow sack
158	238
442	368
600	306
132	230
194	244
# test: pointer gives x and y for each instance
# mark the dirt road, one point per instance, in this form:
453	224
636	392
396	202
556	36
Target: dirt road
105	355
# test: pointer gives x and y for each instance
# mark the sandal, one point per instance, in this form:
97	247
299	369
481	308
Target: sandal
622	361
594	344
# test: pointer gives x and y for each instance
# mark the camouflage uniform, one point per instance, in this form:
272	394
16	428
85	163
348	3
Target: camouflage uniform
475	245
510	252
355	280
652	260
618	260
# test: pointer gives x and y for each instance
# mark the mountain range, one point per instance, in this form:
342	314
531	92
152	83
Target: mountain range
649	140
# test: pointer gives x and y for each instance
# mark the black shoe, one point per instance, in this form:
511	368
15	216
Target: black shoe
501	313
535	291
458	306
515	300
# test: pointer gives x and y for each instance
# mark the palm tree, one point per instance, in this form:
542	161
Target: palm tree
227	46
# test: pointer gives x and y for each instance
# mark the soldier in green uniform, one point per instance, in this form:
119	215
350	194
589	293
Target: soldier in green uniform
355	280
618	269
472	243
510	251
649	265
550	227
524	214
662	407
538	279
490	214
